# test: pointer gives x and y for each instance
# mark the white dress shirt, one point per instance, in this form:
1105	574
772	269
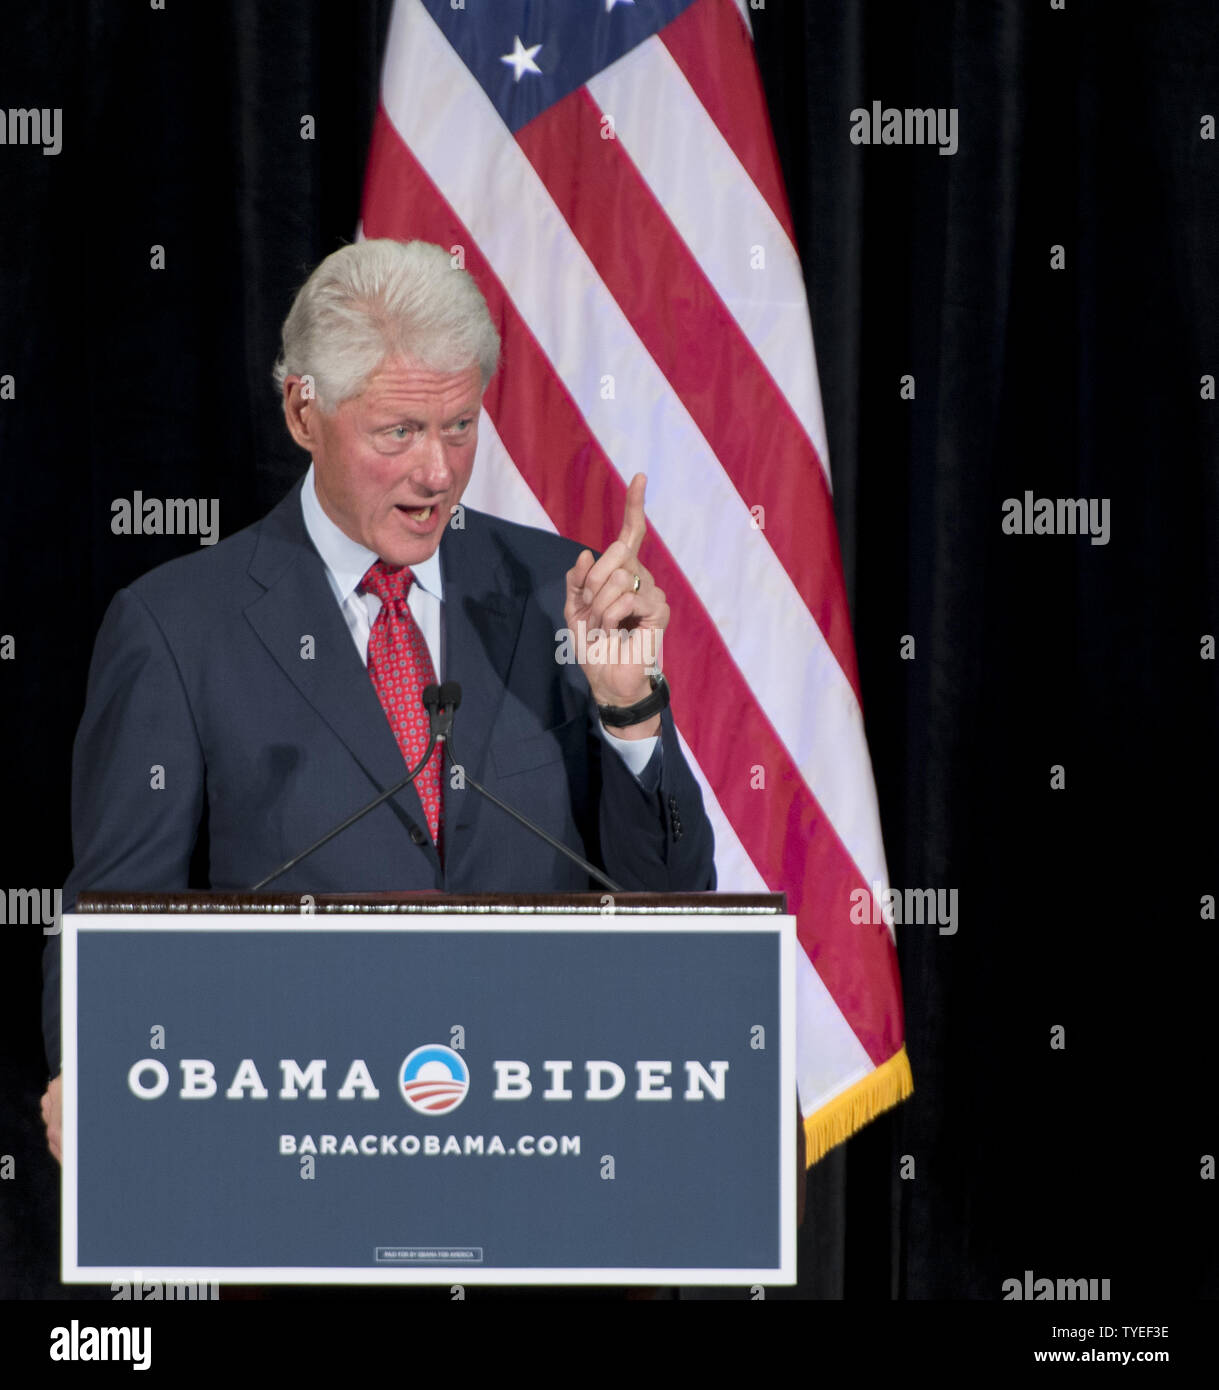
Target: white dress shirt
347	562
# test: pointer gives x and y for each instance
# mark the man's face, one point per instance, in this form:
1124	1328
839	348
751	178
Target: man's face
392	463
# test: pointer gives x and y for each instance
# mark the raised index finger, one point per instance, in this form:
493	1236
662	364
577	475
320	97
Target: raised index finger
634	524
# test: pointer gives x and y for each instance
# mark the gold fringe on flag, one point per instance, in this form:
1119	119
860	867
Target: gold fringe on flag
880	1090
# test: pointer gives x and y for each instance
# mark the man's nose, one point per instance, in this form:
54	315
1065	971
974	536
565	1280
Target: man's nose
431	470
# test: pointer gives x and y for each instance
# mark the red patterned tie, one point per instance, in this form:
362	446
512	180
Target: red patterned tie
400	666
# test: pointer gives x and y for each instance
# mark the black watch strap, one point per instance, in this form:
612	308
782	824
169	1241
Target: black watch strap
623	716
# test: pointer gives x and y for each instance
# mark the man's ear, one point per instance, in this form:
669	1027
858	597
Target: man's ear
301	411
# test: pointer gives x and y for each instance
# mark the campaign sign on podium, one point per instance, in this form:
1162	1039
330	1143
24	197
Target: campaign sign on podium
429	1099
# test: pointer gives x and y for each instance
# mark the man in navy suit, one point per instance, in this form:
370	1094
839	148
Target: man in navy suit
233	682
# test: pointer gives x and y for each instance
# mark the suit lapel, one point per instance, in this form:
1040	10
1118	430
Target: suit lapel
298	603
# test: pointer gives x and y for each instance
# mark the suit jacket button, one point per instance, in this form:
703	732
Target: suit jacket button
418	836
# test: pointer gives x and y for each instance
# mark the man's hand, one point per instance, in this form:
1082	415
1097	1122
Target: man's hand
52	1116
617	615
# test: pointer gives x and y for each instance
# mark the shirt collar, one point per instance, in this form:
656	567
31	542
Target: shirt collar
348	561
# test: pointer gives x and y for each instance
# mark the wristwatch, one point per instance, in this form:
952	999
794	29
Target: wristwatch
622	716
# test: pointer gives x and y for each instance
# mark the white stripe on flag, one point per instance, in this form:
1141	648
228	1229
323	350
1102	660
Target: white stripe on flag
829	1057
720	215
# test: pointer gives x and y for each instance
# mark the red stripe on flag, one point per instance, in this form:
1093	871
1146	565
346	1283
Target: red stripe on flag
793	844
694	340
712	47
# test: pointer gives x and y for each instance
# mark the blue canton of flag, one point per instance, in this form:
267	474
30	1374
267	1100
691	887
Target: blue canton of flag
527	55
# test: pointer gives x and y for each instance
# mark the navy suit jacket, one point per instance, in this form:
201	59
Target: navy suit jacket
227	683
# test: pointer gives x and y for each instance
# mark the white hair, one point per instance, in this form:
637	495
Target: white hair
381	300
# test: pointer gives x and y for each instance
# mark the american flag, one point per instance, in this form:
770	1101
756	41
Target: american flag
606	169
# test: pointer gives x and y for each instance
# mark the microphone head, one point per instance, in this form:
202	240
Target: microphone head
431	698
450	695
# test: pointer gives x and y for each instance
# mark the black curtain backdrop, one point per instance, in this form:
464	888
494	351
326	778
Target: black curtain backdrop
1080	907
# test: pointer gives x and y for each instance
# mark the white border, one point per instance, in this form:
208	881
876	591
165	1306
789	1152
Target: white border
693	922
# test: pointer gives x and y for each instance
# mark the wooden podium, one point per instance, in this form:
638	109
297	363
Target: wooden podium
603	904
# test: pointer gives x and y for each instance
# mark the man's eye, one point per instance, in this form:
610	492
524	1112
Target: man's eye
400	431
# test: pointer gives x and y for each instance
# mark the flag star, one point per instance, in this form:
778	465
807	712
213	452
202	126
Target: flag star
520	60
609	4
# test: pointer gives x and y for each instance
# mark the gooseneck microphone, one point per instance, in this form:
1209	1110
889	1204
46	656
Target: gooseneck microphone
431	700
441	703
